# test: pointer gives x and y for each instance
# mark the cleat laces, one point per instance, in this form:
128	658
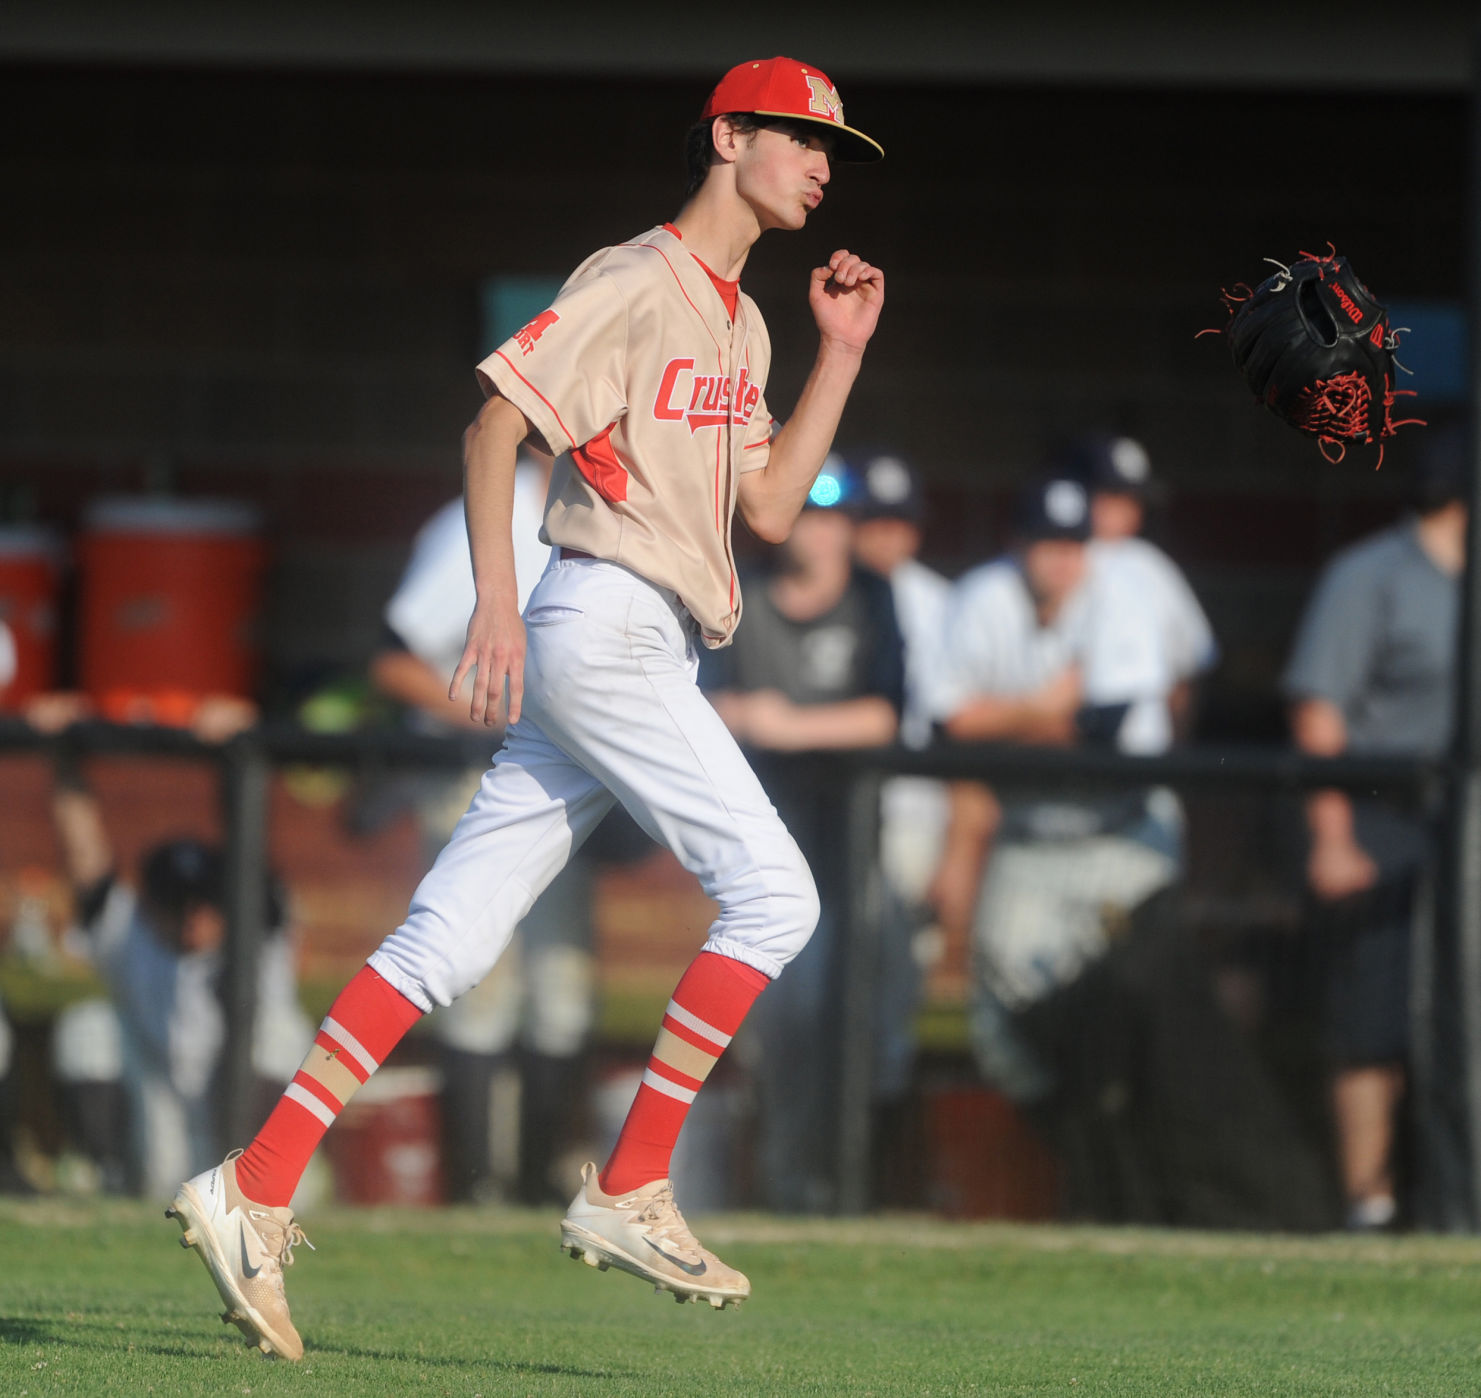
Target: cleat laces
667	1224
278	1241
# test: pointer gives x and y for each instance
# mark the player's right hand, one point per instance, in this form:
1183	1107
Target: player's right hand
494	654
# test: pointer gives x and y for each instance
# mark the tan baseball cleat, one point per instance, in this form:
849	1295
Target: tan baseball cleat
645	1234
245	1247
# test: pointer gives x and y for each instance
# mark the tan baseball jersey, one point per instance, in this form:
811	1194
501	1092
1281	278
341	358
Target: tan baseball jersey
653	400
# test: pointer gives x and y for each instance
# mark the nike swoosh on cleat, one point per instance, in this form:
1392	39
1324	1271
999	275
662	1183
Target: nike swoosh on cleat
694	1269
248	1270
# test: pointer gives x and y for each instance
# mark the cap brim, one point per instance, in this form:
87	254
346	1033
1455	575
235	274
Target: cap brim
852	147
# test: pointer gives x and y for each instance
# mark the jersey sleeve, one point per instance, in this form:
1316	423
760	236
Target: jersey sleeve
1125	654
1193	647
762	427
969	647
566	371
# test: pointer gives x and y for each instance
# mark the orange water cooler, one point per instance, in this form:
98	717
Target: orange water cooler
30	575
386	1145
169	603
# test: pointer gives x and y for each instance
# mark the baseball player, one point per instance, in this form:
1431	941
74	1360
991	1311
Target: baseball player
540	1000
538	1004
646	377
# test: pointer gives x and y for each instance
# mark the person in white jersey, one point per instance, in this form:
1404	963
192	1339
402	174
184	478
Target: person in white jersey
1149	636
646	378
1064	865
535	1010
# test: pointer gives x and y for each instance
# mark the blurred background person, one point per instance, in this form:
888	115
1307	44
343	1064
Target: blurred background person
1148	634
1062	875
137	1073
10	1178
1373	671
537	1007
889	508
818	664
1147	640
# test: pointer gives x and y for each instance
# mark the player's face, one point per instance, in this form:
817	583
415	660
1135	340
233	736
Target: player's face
780	172
884	544
1115	516
821	540
203	928
1054	569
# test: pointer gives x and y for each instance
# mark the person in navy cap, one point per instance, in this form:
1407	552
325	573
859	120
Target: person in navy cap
890	509
1153	638
818	664
1063	872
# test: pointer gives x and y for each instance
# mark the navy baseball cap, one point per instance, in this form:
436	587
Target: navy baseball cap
181	872
888	489
1441	472
1057	507
1112	464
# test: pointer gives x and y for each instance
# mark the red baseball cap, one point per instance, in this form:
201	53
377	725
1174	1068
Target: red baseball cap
783	87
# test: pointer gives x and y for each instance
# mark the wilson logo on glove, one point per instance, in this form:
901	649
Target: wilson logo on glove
1316	348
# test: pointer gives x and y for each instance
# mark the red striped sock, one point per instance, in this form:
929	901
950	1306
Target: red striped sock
363	1025
709	1003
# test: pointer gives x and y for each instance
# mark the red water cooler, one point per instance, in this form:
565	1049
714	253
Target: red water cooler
169	604
30	576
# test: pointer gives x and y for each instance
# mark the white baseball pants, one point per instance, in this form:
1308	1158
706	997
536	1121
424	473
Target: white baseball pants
612	712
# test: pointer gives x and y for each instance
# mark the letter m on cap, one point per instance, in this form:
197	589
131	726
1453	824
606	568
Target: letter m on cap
825	100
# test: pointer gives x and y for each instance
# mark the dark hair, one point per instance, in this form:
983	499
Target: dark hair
181	874
699	146
1440	474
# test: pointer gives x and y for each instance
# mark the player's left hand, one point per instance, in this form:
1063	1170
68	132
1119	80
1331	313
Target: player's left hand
846	297
494	654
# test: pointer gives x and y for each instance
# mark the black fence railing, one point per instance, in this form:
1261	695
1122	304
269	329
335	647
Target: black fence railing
245	763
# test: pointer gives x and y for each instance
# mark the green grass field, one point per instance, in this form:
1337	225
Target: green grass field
98	1298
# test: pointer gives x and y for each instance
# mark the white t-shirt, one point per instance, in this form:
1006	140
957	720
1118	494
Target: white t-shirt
994	643
922	599
431	606
1145	634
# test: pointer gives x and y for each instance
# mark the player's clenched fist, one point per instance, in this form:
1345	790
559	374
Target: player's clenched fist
846	297
494	653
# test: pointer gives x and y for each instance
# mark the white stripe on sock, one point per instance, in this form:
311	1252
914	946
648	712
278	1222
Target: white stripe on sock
307	1100
669	1089
349	1043
694	1022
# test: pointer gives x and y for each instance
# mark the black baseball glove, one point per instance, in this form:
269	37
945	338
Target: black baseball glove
1316	348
